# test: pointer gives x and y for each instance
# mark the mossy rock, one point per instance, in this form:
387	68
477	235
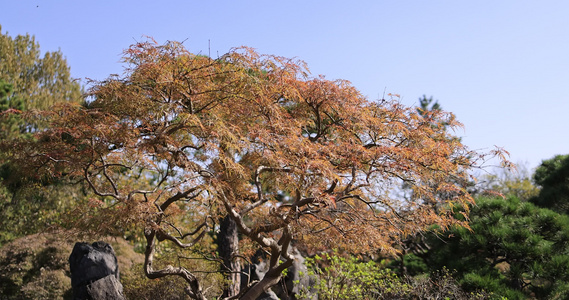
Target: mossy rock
36	266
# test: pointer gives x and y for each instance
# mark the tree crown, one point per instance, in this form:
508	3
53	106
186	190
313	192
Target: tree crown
289	157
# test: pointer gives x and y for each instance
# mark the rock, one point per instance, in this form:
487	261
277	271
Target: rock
37	267
95	272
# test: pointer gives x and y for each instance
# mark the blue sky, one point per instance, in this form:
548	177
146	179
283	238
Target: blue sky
501	66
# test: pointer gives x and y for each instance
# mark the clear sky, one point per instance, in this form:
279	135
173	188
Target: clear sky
502	66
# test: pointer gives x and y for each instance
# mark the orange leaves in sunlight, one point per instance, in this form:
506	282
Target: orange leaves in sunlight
185	128
182	141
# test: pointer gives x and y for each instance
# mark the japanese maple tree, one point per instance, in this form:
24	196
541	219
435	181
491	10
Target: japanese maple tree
290	159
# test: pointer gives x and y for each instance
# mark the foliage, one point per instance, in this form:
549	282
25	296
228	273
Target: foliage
341	277
29	81
513	249
29	273
441	284
39	82
410	264
182	140
553	177
34	208
138	286
515	182
10	124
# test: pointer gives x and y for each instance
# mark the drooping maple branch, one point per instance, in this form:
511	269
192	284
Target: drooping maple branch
163	235
179	196
95	189
195	231
109	179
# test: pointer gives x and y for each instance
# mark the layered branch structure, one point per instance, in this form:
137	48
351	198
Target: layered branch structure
291	159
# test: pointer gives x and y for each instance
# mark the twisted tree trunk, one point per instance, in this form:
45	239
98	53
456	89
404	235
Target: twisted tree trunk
228	243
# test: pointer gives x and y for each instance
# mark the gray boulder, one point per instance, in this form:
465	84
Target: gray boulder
95	272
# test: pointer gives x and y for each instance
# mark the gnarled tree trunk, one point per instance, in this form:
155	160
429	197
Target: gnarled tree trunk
228	243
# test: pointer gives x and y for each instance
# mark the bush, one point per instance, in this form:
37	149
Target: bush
345	277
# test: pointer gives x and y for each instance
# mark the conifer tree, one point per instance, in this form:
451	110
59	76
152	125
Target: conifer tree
512	249
28	81
553	177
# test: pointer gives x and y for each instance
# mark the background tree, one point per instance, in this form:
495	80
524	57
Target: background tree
11	124
553	177
183	140
29	81
515	182
514	249
426	105
39	82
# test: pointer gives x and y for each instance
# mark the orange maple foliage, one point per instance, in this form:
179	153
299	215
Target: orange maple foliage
290	158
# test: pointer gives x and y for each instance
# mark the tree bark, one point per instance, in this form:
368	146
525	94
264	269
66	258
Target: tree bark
271	278
228	245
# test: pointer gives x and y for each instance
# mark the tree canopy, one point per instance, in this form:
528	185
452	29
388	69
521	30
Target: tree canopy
39	82
182	139
553	177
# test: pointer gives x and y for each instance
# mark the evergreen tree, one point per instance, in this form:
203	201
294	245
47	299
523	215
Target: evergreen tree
553	177
39	82
10	123
29	81
426	106
513	249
